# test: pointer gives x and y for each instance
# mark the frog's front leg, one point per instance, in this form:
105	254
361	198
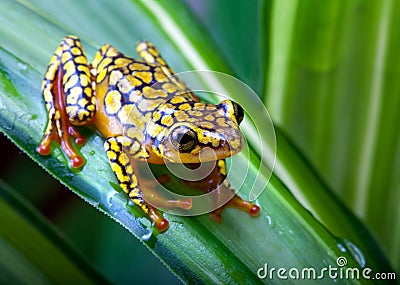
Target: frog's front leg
235	202
224	194
119	151
67	91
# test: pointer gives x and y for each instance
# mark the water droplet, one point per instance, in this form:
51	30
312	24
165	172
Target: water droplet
147	234
356	253
347	246
96	204
269	220
22	66
131	203
110	196
280	232
341	247
92	152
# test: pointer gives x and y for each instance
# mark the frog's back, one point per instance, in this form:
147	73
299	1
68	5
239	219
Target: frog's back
128	91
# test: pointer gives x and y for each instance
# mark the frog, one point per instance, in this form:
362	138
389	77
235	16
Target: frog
145	113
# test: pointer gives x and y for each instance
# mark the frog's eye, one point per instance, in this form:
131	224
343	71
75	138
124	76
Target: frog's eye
238	112
184	139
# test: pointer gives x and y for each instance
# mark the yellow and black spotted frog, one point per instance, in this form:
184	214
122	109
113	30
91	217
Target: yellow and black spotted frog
145	114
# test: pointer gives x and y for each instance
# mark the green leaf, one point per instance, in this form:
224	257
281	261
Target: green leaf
195	248
29	248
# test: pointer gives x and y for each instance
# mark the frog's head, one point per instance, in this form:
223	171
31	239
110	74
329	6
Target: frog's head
190	132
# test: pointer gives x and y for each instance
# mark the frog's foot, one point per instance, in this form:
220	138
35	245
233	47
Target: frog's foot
236	202
161	223
44	147
59	128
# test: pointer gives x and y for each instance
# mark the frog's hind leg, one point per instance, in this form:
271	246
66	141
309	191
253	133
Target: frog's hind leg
67	91
122	152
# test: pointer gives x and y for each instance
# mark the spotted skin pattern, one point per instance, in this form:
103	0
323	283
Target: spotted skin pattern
146	113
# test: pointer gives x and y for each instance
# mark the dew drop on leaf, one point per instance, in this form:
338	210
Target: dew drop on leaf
347	246
269	220
341	247
356	253
22	66
110	196
147	234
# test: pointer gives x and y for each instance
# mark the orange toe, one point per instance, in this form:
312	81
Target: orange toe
162	225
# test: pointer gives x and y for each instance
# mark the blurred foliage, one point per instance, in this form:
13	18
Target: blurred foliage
29	247
333	87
